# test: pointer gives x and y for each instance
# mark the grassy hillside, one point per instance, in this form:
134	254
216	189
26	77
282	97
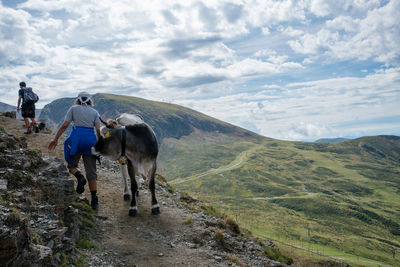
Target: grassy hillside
167	120
341	198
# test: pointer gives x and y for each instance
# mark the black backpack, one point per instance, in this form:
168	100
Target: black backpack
30	96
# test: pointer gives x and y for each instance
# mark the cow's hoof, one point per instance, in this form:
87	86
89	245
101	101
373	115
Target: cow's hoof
133	213
127	197
155	210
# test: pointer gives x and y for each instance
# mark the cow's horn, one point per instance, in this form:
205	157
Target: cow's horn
105	123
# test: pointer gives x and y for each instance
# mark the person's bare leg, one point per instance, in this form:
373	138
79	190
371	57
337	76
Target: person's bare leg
93	185
26	122
73	171
28	126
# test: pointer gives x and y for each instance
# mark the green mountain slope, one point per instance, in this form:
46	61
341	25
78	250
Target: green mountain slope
346	195
331	140
167	120
342	199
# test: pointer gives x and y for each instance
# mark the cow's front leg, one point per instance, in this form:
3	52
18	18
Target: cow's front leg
124	171
155	208
133	209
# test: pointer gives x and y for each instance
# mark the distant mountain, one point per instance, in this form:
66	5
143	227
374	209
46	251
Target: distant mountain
331	140
342	197
167	120
6	107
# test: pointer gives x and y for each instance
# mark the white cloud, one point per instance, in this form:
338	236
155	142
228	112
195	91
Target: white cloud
320	8
242	61
311	110
302	130
265	30
290	31
374	36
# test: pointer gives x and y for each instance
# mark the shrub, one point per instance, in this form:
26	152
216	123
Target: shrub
232	225
235	260
189	220
14	217
170	188
210	210
274	254
2	201
84	243
219	237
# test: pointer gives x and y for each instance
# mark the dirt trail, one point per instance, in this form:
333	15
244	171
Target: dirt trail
236	163
145	240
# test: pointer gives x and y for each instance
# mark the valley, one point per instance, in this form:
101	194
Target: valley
309	198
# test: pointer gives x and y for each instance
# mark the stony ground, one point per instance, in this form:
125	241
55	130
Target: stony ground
182	235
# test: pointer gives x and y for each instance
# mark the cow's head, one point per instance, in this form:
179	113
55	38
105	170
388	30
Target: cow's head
108	125
109	144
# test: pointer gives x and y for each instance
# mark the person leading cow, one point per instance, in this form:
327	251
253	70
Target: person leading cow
86	124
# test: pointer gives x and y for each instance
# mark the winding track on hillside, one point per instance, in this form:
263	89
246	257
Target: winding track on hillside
236	163
239	161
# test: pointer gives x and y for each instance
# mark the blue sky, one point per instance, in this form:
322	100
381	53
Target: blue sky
291	70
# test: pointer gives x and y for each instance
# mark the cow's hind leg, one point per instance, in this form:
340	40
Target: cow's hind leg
133	209
155	208
124	171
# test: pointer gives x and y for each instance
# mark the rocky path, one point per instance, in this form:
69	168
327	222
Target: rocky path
182	235
145	240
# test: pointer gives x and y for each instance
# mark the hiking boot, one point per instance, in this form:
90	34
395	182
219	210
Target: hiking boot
95	202
80	188
28	131
36	129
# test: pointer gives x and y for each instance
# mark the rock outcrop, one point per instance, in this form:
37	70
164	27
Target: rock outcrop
36	213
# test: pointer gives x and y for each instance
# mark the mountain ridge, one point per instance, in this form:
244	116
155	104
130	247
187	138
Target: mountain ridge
167	120
6	107
331	140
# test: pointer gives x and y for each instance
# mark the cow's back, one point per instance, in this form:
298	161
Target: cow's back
143	138
129	119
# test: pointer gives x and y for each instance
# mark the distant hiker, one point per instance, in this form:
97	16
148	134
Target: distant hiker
29	98
86	124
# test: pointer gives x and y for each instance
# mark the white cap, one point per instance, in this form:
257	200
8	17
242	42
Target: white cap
84	97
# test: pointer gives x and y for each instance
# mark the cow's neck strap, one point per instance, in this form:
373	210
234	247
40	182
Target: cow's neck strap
122	159
123	142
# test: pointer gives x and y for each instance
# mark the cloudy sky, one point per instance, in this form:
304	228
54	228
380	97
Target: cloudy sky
291	70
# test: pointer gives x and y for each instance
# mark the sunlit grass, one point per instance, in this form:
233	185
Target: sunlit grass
317	197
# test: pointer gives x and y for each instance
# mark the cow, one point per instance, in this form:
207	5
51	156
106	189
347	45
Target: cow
134	140
123	120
